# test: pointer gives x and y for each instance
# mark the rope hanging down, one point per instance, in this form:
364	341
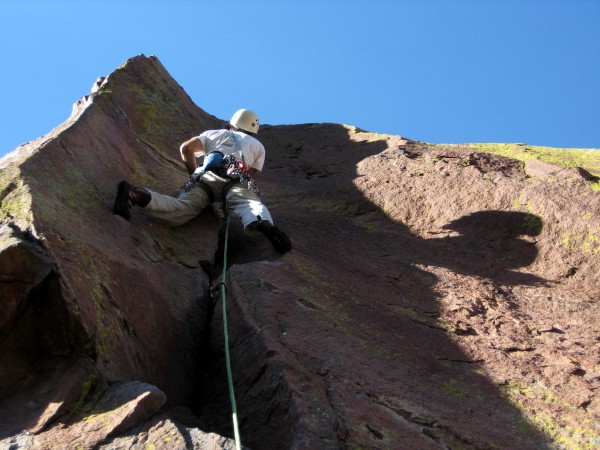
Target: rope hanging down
222	286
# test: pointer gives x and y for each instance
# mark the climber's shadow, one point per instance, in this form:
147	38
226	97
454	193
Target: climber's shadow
490	244
372	261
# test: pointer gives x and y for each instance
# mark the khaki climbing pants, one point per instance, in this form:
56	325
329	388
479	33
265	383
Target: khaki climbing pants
178	210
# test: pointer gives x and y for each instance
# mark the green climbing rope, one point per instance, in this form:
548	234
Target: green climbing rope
236	430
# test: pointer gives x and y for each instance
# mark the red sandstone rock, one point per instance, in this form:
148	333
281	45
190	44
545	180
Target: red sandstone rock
435	297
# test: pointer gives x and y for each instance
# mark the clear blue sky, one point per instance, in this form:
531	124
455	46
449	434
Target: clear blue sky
436	71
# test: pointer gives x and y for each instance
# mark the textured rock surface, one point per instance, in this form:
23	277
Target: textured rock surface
127	297
436	297
118	409
134	289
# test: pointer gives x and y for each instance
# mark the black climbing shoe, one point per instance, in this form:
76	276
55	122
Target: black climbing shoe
123	200
281	243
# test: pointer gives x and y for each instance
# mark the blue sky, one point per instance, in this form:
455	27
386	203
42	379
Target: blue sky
438	71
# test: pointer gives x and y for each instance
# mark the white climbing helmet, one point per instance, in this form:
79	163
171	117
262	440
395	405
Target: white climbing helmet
246	120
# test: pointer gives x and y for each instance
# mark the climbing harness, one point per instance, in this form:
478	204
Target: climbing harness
223	288
225	166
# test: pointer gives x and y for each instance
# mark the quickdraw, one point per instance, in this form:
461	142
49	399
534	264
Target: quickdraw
238	170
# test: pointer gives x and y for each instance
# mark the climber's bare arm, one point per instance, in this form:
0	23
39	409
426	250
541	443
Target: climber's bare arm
188	150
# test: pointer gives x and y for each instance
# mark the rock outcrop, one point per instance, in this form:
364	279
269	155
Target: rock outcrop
436	296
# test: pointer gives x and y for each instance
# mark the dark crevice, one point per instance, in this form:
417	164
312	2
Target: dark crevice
340	429
374	431
210	395
428	325
464	361
59	336
441	434
265	400
585	404
516	349
44	339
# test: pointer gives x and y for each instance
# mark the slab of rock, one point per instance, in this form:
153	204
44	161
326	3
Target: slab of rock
553	173
133	287
435	297
121	406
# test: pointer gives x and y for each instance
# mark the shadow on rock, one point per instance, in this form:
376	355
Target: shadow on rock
363	305
490	244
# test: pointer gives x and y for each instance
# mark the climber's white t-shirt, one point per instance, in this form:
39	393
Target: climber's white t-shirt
243	146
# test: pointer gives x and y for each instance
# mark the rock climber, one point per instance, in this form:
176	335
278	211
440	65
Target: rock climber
231	159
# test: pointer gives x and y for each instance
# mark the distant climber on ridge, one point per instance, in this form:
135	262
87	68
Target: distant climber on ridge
232	157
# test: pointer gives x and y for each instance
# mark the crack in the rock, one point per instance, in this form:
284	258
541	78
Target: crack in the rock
465	361
428	426
340	429
515	349
374	431
428	325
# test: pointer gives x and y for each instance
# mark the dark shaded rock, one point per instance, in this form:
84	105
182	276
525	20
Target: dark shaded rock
120	407
24	264
418	308
47	395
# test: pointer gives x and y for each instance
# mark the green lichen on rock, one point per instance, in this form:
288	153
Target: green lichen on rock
587	242
155	108
15	198
153	114
17	204
95	272
574	430
89	395
588	159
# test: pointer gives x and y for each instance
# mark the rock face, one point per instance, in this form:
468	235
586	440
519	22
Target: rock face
436	297
82	283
